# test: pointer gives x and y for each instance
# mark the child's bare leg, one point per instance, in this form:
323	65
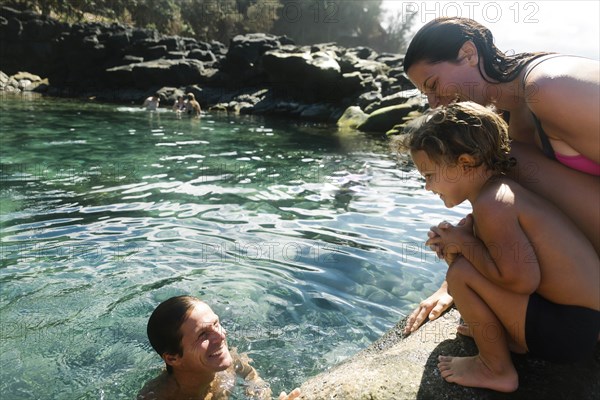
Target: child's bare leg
513	346
490	311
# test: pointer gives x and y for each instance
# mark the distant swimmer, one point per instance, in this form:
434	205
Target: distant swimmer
180	104
192	106
152	102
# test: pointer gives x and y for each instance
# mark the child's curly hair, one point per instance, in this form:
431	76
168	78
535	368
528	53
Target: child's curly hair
460	128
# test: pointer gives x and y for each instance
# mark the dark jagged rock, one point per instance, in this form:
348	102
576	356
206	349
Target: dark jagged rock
316	82
245	51
391	100
202	55
158	73
308	76
22	82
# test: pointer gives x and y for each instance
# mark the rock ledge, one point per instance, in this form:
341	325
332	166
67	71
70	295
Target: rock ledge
398	368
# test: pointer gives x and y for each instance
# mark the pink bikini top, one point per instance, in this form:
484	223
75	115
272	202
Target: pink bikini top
579	162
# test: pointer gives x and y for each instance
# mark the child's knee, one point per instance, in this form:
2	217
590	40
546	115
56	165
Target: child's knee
459	272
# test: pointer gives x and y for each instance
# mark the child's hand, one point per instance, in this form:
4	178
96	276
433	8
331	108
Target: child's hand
447	240
430	308
434	243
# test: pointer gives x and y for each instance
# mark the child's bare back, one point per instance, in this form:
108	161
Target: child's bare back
522	229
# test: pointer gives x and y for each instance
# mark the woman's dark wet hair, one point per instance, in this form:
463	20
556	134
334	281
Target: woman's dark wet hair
441	39
164	325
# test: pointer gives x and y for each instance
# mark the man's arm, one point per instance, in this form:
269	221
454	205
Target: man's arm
256	387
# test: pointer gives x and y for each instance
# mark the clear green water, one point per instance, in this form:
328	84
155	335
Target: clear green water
307	242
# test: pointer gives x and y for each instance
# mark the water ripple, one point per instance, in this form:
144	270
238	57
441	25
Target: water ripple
309	244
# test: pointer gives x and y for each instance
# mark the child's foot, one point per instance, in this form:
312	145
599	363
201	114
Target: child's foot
473	372
464	330
514	347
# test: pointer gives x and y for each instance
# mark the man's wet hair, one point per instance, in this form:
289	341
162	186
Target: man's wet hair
164	325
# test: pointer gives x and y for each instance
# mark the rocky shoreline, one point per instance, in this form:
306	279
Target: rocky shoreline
255	74
398	368
268	75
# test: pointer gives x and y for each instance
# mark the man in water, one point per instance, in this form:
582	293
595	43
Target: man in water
188	336
192	106
152	102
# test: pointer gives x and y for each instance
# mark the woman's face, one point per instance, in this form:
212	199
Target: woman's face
448	81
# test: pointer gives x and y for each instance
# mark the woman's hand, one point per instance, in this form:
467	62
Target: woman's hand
293	394
432	307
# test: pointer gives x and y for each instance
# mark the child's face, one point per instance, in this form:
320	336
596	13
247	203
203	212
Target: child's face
447	181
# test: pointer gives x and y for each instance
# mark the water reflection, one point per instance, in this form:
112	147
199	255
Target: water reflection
307	243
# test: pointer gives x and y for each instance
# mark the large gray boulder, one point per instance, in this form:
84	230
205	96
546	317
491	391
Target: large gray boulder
310	75
384	119
158	73
397	368
245	51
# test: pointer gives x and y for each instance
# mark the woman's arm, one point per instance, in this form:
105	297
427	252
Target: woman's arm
564	93
576	193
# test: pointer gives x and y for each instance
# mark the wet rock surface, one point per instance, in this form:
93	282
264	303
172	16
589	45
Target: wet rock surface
255	73
397	367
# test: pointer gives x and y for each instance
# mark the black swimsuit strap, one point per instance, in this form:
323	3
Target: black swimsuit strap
546	146
537	61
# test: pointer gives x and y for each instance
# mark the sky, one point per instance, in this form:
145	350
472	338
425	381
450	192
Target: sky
570	27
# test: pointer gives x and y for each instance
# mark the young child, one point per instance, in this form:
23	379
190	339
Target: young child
520	273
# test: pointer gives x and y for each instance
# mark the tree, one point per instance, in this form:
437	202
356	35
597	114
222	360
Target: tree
397	30
349	23
157	14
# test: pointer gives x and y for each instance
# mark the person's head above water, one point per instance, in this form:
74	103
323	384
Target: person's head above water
450	57
188	336
447	133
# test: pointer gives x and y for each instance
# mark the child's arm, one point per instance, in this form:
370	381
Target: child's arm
501	252
430	308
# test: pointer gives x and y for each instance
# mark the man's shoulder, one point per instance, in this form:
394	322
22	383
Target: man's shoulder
155	389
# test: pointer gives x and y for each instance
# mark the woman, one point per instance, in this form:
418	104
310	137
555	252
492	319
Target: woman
551	102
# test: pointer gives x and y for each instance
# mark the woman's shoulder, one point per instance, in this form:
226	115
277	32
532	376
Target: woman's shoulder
555	69
561	86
